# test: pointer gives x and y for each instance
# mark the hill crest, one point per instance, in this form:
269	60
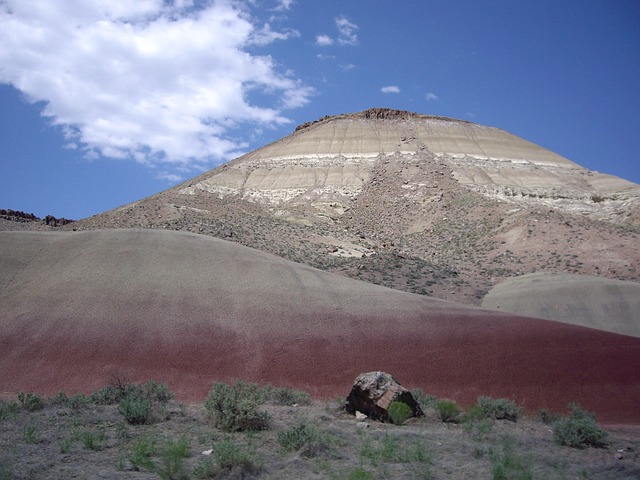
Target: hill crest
415	202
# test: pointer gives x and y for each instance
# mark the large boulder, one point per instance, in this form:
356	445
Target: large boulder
373	392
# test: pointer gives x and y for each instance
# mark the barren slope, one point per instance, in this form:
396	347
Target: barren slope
188	309
423	204
594	302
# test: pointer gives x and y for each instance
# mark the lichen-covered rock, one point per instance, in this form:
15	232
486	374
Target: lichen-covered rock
373	392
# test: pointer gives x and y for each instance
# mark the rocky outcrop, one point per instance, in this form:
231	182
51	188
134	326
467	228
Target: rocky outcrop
373	392
425	204
332	161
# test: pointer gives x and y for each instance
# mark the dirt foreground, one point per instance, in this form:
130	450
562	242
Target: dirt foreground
93	442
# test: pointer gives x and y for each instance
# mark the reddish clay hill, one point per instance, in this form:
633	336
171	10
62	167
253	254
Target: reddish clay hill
188	310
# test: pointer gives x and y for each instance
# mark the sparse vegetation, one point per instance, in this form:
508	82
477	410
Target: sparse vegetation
235	407
393	449
144	448
318	439
449	411
8	409
425	401
285	396
30	401
507	465
30	433
108	395
171	465
579	429
137	403
399	412
306	438
547	417
135	408
230	456
498	408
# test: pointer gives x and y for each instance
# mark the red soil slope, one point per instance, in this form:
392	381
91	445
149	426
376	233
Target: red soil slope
189	310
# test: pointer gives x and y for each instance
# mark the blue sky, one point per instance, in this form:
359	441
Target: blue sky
104	102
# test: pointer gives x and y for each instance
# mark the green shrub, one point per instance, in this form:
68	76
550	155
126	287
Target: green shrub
509	466
61	398
108	395
286	396
137	402
77	401
91	441
298	436
30	433
135	408
449	411
30	401
547	417
579	429
399	412
425	401
476	424
8	410
66	444
499	408
142	452
230	456
157	392
235	407
171	465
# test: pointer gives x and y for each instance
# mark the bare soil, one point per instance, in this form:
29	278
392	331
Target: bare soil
52	444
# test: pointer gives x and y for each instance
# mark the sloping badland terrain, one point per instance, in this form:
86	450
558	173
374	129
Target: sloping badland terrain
596	302
436	206
418	203
189	309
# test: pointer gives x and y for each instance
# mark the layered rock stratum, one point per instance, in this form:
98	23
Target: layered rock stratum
424	204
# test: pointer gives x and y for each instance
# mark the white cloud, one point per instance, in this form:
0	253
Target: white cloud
390	89
157	81
283	5
324	40
323	57
170	177
431	96
265	35
347	31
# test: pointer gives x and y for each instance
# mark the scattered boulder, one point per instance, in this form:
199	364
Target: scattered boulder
373	392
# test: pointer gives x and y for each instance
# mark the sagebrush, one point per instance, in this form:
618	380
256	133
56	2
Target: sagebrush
234	407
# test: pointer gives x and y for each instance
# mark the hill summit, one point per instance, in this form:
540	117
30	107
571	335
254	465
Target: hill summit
420	203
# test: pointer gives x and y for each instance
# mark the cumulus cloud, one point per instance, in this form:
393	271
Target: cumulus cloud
347	31
431	96
162	82
390	89
324	40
